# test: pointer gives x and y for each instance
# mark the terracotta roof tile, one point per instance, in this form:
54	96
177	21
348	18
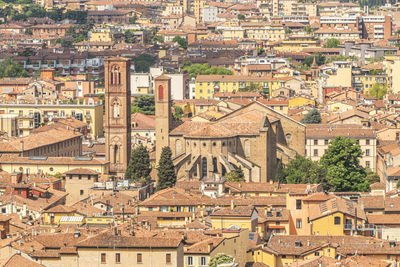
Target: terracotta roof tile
109	240
243	211
18	261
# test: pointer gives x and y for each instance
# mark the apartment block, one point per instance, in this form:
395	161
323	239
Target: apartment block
319	136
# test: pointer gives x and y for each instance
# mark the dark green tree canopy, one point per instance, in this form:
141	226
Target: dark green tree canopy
182	42
302	170
236	175
144	104
312	117
342	163
332	43
166	170
178	113
204	69
11	68
143	62
139	165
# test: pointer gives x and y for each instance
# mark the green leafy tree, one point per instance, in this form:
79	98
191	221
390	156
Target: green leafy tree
26	53
378	90
133	19
11	68
241	17
319	59
58	175
182	42
372	177
308	29
236	175
79	16
302	170
139	165
204	69
143	62
342	163
144	104
332	43
250	88
280	175
312	117
129	37
166	170
220	259
178	113
64	42
56	14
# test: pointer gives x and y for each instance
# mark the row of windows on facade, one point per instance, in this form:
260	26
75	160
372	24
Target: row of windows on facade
139	258
191	261
336	221
326	142
178	143
45	113
174	209
316	152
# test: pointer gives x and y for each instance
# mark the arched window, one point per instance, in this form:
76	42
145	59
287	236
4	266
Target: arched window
215	167
115	75
116	109
247	148
177	147
160	92
223	170
116	153
204	166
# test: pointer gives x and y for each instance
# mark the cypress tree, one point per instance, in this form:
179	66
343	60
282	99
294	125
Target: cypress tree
139	165
166	170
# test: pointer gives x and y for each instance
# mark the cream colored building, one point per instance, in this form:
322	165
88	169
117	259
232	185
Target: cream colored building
318	137
31	116
394	74
108	249
51	165
234	243
9	124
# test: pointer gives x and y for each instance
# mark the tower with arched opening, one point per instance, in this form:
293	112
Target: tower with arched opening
118	113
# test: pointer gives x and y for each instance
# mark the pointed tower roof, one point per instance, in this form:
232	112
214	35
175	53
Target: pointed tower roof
314	64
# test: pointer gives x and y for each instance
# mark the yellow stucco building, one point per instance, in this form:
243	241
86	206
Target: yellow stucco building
207	85
30	116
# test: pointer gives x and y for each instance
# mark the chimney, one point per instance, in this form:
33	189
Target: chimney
21	146
32	249
16	177
232	204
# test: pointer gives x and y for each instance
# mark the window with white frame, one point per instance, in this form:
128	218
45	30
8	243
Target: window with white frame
203	261
189	261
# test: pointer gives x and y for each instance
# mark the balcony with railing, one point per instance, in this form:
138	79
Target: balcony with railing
361	227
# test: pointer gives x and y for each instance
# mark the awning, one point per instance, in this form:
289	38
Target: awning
71	219
276	227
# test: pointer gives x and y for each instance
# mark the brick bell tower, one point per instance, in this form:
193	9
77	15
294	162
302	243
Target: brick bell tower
162	87
118	113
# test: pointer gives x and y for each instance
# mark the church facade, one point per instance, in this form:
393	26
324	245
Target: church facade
253	137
